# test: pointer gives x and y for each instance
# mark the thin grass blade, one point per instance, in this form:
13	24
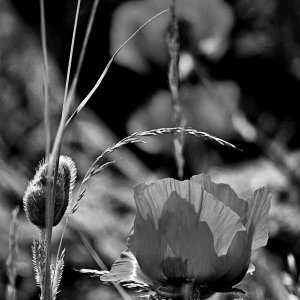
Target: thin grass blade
46	81
90	94
99	261
73	87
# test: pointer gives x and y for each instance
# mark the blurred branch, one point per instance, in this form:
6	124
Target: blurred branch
11	262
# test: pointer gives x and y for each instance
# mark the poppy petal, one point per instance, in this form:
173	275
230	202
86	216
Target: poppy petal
183	217
148	245
222	192
222	221
191	240
259	206
191	237
127	270
150	200
146	242
236	263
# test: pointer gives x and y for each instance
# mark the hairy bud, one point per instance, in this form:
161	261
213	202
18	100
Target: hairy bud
35	196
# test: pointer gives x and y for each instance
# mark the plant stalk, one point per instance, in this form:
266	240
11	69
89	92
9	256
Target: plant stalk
173	45
53	170
45	81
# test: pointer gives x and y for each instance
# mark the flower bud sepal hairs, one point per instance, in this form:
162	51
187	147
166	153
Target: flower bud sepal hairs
35	196
191	239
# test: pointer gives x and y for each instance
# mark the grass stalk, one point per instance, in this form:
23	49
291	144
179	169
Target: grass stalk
65	102
97	84
99	164
173	46
45	81
73	87
99	262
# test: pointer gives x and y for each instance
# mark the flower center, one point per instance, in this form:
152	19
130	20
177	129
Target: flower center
185	292
168	292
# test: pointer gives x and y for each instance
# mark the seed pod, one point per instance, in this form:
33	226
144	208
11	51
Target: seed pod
35	196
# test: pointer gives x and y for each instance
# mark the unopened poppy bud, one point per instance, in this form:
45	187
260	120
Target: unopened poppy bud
35	196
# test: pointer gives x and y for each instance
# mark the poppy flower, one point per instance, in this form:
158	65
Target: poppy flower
191	239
